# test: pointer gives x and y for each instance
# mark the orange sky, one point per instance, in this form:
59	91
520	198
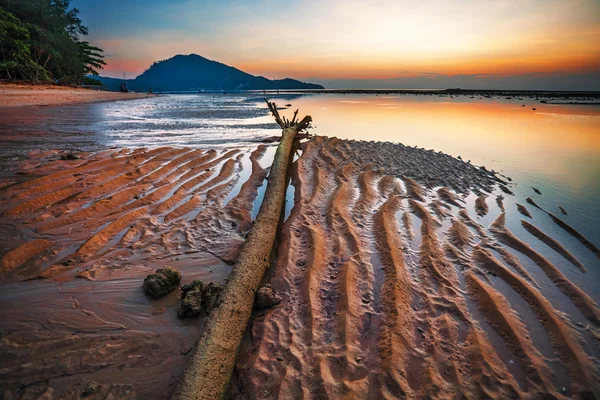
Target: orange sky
352	38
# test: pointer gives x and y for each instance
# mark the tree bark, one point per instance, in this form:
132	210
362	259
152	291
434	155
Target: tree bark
210	367
47	59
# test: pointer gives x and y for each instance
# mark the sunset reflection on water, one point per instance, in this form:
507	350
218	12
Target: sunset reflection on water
555	148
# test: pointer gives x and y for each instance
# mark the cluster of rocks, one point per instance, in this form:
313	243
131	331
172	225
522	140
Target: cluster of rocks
198	296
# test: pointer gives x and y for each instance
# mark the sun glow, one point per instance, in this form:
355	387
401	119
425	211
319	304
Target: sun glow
367	39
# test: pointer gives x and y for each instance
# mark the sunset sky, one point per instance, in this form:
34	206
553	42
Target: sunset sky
358	43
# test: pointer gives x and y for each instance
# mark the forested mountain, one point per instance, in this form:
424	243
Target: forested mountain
193	72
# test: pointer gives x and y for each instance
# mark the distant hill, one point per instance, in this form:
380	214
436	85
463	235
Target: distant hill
193	72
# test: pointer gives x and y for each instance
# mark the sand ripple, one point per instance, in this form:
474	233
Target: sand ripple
392	290
392	285
93	228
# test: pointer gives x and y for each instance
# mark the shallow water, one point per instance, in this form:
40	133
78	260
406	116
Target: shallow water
555	148
169	120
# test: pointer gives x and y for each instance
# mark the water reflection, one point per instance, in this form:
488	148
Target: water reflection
555	148
170	120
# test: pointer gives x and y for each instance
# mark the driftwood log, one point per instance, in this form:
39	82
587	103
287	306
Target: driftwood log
209	370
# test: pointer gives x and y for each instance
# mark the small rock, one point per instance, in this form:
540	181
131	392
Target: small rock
90	389
279	358
266	297
562	210
161	283
69	156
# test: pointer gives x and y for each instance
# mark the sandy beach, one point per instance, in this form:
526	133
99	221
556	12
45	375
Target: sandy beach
393	289
390	285
376	201
84	272
19	95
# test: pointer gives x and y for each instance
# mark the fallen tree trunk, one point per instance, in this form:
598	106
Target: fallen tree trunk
210	367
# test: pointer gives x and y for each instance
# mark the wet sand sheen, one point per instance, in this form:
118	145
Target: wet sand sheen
426	325
389	277
113	217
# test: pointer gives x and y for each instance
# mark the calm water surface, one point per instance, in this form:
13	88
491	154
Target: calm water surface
555	148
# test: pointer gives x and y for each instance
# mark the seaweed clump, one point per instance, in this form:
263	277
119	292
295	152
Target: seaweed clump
197	296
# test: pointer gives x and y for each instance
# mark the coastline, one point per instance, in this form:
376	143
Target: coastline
22	95
541	94
386	250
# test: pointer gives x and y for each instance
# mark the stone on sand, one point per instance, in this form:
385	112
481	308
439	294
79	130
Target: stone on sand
266	297
161	283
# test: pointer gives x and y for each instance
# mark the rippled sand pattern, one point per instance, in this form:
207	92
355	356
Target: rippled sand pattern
392	286
79	236
394	289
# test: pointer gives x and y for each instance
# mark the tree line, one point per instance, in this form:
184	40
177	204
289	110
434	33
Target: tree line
40	40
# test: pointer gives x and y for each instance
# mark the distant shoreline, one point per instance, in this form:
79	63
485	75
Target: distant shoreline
21	95
552	96
453	92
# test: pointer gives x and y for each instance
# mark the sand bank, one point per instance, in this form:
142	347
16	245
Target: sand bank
392	286
17	95
393	289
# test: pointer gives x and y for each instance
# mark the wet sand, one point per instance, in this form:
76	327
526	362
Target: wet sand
392	286
393	289
17	95
77	239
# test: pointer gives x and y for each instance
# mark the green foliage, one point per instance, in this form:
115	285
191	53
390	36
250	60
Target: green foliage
91	58
40	40
91	81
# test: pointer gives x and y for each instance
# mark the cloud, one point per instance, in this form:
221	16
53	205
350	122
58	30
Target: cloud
352	39
582	81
